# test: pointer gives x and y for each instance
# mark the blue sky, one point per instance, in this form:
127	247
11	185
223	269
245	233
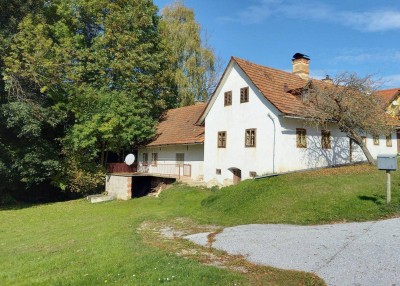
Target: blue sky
361	36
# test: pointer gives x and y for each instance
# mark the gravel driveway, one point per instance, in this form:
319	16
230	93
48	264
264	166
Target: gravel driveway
342	254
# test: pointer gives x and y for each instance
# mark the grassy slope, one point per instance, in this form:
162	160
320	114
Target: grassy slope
76	243
355	193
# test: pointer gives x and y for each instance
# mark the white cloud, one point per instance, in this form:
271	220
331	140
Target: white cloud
362	57
370	21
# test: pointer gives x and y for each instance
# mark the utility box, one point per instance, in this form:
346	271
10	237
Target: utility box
387	162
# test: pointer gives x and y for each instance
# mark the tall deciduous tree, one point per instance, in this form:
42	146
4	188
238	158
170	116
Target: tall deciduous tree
192	61
84	77
349	102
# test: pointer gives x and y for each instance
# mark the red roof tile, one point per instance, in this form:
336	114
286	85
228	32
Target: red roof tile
274	85
388	95
178	126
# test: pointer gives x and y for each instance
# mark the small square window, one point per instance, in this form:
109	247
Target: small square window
222	139
376	140
252	174
326	139
228	98
218	171
244	94
389	141
250	140
301	138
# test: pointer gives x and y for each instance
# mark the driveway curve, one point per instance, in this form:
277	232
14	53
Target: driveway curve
365	253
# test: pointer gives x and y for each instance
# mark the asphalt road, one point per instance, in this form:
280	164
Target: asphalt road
342	254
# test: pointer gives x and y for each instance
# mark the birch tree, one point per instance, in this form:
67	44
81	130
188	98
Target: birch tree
191	59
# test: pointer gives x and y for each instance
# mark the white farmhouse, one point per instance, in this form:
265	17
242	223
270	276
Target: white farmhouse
252	126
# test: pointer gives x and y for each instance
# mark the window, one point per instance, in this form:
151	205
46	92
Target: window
180	158
376	140
228	98
154	159
252	174
250	138
145	159
326	139
301	138
222	139
364	140
244	94
389	140
218	171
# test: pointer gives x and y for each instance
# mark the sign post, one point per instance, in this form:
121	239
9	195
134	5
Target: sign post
387	163
388	192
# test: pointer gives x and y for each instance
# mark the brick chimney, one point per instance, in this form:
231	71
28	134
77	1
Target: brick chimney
300	65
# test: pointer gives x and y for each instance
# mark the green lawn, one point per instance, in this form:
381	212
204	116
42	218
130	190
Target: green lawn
77	243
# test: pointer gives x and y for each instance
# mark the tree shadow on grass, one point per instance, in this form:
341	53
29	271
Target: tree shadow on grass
378	200
16	206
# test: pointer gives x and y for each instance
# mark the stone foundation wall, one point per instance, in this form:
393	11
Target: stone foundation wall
119	186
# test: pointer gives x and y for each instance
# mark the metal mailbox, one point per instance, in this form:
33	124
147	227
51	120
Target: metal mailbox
387	162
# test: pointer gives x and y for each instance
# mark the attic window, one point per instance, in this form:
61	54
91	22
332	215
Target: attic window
244	94
228	98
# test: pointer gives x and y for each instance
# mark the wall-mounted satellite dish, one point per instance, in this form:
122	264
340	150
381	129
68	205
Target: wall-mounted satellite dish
129	159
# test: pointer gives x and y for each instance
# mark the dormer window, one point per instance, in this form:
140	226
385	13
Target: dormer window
244	94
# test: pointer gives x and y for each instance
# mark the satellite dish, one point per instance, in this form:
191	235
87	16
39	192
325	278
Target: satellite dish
129	159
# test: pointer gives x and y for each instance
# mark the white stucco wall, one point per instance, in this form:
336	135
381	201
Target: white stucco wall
258	113
291	158
235	119
194	156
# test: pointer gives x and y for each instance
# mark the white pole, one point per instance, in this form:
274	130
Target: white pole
388	187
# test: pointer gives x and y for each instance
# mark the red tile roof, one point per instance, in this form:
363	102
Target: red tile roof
388	95
274	85
178	126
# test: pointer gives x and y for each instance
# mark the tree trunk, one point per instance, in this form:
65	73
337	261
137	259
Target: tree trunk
359	141
103	147
367	154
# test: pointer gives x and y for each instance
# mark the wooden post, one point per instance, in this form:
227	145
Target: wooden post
388	195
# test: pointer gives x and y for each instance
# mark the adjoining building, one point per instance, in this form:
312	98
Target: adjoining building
253	125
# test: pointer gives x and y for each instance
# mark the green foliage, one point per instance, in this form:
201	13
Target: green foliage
80	79
192	62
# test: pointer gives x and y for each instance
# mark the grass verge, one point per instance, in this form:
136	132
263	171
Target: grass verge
77	243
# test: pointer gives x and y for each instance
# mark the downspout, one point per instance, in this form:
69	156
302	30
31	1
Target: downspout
273	154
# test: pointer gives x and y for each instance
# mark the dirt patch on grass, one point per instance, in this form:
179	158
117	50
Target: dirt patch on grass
168	235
